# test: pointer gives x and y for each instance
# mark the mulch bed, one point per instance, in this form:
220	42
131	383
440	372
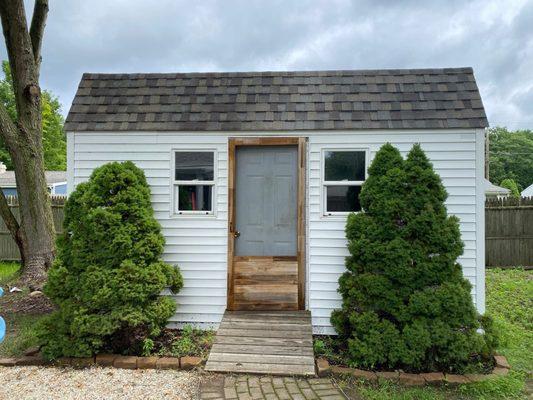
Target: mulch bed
19	303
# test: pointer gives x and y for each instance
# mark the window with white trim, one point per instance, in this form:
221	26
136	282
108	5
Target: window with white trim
194	181
343	175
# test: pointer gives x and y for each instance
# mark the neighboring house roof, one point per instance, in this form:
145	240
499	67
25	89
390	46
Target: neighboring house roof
262	101
7	179
493	190
527	192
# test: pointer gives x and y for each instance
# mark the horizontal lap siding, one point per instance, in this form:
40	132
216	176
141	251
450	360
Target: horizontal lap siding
197	244
454	158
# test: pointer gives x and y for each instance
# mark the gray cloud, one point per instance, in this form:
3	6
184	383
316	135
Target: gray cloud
494	37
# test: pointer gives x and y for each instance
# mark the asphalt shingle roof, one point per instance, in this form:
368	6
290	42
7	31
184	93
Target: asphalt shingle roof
264	101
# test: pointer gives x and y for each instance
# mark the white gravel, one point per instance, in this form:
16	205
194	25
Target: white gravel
96	383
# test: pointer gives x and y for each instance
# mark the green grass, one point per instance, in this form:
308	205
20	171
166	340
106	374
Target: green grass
20	328
8	272
20	334
509	302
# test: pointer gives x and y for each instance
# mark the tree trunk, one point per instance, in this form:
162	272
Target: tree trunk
36	222
34	233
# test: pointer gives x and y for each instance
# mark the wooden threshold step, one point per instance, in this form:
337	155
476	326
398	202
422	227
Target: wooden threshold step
260	368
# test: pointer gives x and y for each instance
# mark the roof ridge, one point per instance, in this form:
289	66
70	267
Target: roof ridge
303	73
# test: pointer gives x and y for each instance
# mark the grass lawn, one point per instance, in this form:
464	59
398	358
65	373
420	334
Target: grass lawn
20	328
509	302
8	271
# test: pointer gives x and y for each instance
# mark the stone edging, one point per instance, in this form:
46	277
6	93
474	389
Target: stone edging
430	378
106	360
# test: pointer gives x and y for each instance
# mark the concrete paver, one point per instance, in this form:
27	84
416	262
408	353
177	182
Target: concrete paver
245	387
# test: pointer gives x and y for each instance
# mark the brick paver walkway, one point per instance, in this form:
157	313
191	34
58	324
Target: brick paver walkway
245	387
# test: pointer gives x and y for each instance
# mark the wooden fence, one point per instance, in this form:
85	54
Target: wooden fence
8	249
509	232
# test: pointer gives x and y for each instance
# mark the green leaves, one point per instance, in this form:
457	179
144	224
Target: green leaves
406	303
511	156
54	141
108	276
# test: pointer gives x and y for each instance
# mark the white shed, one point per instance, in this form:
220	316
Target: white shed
239	165
527	192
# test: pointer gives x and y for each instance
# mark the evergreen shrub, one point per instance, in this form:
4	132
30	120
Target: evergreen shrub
108	275
406	304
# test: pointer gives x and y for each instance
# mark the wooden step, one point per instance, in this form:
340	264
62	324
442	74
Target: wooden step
264	342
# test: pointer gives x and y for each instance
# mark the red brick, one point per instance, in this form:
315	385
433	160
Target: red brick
127	362
8	362
64	361
190	362
411	379
147	362
323	367
168	363
357	373
477	377
500	371
433	378
341	370
392	376
32	351
30	360
456	379
105	360
501	362
366	375
82	362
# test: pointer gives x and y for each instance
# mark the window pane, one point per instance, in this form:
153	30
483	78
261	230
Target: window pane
195	198
342	198
345	166
194	165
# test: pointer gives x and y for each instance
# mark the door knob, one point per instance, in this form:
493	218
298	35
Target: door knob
236	234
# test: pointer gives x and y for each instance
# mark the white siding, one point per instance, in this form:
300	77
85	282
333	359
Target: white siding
198	243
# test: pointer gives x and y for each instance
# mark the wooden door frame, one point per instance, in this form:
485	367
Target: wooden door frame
233	144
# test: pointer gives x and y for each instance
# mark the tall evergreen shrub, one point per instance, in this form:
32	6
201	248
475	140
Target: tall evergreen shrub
406	303
108	275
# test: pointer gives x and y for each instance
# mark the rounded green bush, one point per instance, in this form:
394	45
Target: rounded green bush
406	303
108	276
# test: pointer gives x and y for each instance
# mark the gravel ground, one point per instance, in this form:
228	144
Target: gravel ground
96	383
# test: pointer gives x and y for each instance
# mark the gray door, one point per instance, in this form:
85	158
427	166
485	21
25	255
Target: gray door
266	200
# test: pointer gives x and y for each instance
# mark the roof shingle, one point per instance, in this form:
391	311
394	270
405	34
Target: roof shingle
263	101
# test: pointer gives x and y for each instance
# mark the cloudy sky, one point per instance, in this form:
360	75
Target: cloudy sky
494	37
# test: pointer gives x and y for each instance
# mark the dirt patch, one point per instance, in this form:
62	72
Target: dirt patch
25	303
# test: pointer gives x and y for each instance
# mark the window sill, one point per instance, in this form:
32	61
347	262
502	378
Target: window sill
338	215
193	215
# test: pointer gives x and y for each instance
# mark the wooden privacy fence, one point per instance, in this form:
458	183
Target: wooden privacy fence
8	249
509	232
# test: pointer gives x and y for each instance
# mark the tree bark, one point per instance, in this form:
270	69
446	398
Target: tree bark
34	233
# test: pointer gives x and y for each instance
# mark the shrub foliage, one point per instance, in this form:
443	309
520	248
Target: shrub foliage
108	275
406	303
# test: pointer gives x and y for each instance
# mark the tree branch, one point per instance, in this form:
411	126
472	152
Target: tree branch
38	21
24	70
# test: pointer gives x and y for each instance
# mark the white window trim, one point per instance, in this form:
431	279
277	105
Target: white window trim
324	183
176	183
